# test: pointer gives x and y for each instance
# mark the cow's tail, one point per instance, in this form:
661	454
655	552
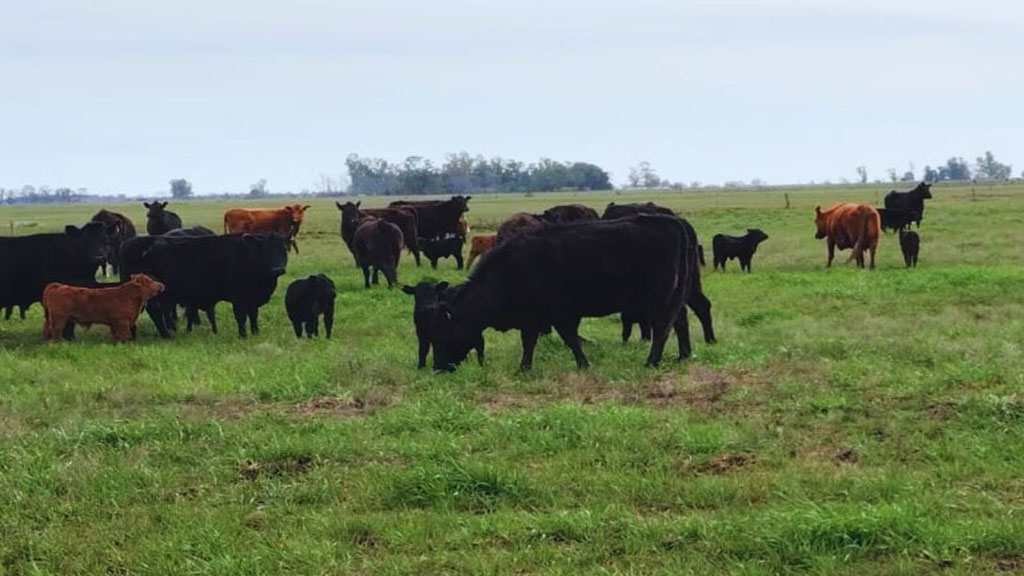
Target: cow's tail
225	222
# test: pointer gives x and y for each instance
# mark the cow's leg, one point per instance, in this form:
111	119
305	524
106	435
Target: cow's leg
376	277
458	260
329	319
529	340
240	315
472	256
831	252
8	311
311	328
416	255
66	327
391	273
873	248
568	331
21	311
659	334
433	263
701	306
480	350
121	331
424	348
211	315
627	326
297	326
156	313
366	276
645	329
682	328
254	320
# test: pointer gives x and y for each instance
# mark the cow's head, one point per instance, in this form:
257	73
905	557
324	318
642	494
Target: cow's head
94	239
820	222
147	285
267	253
323	287
924	190
425	293
757	235
298	212
349	211
461	203
451	337
155	210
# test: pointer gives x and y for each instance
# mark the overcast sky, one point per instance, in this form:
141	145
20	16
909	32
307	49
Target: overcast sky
121	96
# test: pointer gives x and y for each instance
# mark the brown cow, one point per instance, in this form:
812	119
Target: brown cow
462	227
478	245
117	307
285	220
849	225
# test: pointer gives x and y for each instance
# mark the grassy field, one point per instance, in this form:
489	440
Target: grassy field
847	422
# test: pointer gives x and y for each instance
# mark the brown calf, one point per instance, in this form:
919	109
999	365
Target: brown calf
478	245
117	307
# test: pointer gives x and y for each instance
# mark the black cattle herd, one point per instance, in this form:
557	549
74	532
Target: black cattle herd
546	271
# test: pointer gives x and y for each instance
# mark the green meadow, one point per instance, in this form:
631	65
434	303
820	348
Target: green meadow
847	422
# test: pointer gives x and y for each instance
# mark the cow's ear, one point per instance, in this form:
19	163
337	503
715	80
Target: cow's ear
146	204
358	203
72	230
817	209
441	286
305	207
468	198
337	205
410	290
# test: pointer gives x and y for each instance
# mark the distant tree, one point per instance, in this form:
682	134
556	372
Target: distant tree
892	175
988	168
862	174
259	189
63	194
644	176
908	176
930	175
955	169
181	188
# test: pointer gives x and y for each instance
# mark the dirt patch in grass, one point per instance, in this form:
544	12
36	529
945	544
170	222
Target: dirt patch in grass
941	410
1010	564
727	462
12	427
345	407
285	466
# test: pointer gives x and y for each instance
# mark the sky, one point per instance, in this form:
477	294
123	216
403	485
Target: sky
120	96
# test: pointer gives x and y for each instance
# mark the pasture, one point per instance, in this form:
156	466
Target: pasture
847	422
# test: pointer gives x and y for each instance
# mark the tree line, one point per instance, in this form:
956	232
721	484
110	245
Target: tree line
462	173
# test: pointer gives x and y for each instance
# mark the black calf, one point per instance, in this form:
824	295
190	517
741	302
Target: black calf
437	248
910	244
725	248
306	300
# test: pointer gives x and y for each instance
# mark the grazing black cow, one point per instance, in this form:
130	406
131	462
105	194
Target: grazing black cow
910	200
159	220
22	308
516	225
436	218
198	272
308	298
569	213
427	296
437	248
121	228
896	219
190	231
724	248
404	217
560	273
910	245
29	263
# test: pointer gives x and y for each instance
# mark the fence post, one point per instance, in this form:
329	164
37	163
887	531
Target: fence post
787	200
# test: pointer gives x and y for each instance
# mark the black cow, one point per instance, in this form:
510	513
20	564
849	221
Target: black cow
437	248
516	225
560	273
896	219
427	296
436	218
29	263
724	248
190	231
615	211
403	217
121	228
569	213
158	219
308	298
910	200
910	245
200	271
374	243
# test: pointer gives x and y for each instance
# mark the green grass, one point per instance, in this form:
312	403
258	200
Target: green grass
847	422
